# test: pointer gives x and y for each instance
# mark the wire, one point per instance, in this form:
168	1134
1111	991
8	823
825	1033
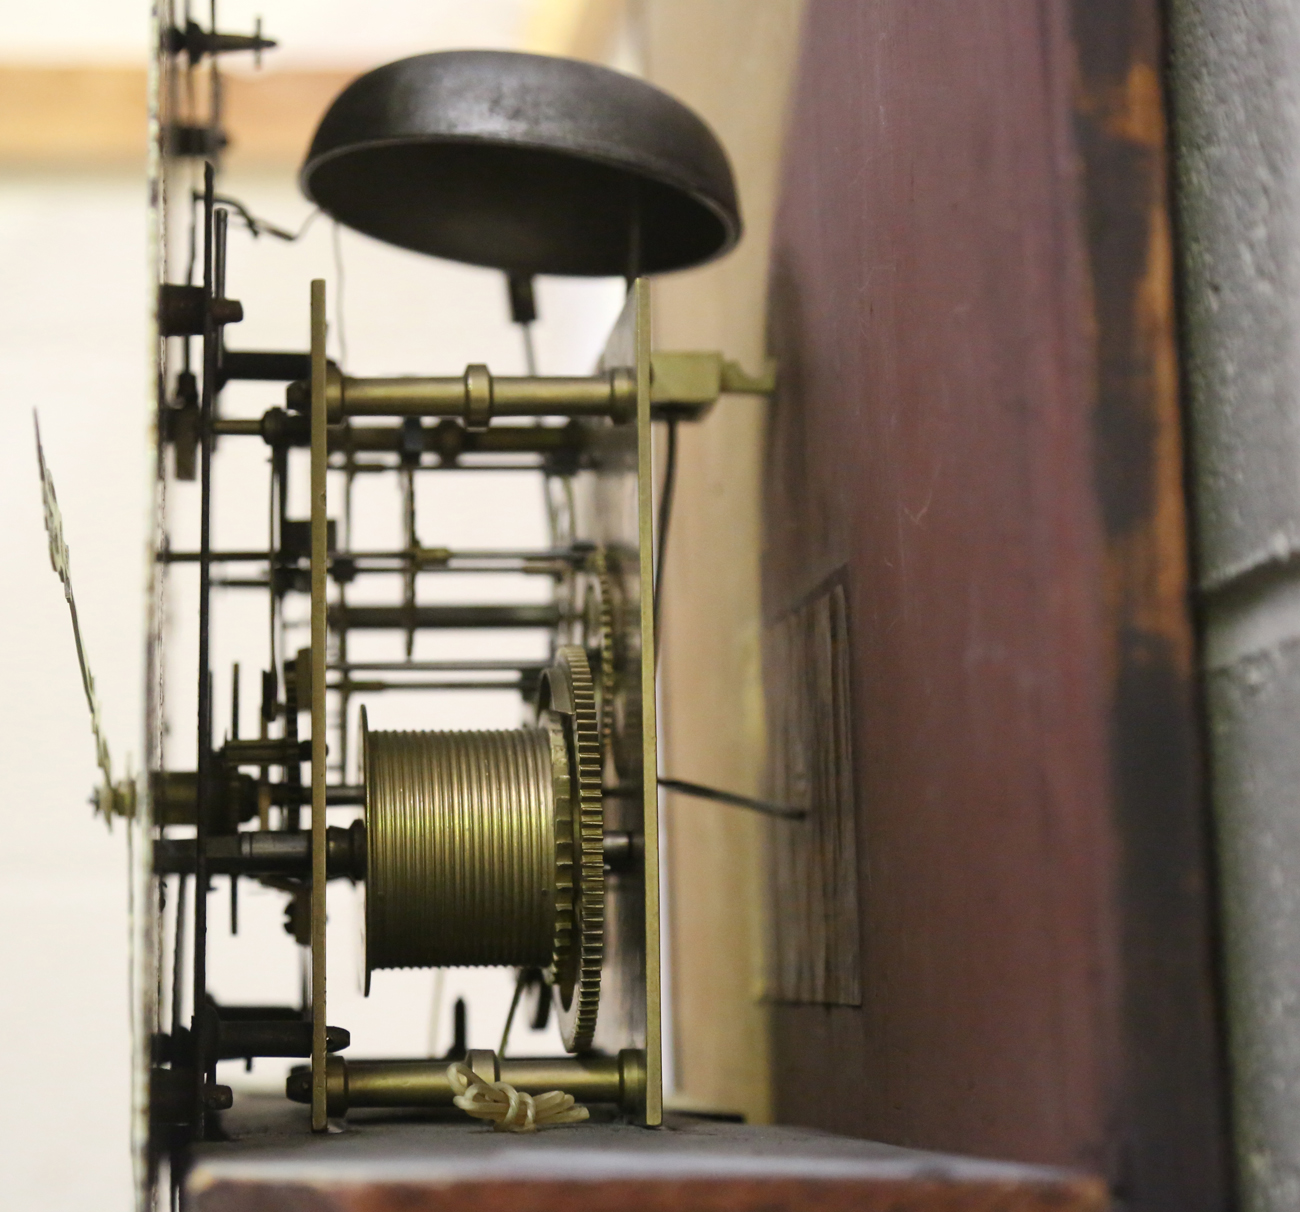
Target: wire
264	227
665	515
178	953
338	293
701	792
196	198
698	790
530	355
520	982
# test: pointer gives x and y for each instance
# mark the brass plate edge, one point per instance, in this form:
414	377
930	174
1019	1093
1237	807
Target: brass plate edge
319	557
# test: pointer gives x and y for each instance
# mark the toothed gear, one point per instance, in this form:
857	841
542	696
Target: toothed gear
577	973
564	839
605	645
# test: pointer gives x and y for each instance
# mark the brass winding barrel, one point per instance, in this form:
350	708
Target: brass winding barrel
463	853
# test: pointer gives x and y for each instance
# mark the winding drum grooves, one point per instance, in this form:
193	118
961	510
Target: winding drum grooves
461	850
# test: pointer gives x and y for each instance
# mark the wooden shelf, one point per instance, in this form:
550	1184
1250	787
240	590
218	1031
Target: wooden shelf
387	1165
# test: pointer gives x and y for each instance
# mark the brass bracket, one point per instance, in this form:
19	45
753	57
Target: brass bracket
688	384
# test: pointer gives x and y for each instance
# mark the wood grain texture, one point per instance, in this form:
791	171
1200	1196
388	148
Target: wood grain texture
382	1164
978	427
696	1195
815	949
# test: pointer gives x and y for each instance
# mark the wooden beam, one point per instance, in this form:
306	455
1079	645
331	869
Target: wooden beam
977	430
271	116
710	1167
96	116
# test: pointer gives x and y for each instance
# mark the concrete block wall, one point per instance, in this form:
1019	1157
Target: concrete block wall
1235	89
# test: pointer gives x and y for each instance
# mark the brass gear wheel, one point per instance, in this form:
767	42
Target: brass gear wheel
603	643
569	693
562	777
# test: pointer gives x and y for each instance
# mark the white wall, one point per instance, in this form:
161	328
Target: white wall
72	342
310	32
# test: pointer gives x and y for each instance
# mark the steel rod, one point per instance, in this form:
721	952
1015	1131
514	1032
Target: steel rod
203	796
394	564
400	618
268	366
238	427
449	440
437	666
374	687
178	954
268	852
443	468
482	554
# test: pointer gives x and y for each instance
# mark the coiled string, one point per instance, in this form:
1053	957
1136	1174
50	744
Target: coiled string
511	1110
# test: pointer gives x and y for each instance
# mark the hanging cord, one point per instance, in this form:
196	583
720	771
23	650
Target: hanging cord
681	786
665	515
511	1110
258	226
